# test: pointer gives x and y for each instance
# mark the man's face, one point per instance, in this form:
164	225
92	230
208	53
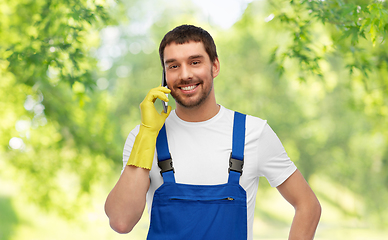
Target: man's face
189	73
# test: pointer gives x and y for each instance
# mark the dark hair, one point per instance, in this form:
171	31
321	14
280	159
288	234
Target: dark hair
185	33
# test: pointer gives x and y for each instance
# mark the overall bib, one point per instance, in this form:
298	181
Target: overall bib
191	212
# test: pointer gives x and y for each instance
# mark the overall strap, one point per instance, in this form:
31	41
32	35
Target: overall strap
164	156
236	160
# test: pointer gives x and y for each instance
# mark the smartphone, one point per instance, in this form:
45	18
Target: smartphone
164	84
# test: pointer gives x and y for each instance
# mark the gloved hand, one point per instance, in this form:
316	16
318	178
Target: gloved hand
143	149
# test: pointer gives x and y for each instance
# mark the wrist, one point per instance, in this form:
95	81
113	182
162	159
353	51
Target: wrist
148	130
143	149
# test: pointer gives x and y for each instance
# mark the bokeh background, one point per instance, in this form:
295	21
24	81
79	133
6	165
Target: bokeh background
72	74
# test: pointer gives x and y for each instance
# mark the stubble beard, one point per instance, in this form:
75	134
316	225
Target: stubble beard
192	104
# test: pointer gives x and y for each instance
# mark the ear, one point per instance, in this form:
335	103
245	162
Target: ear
216	67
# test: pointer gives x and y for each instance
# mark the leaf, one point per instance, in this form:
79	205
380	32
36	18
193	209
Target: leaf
373	34
273	54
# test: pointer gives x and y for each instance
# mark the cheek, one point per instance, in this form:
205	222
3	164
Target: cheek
169	85
206	73
169	79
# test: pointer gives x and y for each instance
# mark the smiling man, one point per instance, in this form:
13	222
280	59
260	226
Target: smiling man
198	167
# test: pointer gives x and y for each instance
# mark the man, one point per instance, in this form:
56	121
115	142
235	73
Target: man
201	143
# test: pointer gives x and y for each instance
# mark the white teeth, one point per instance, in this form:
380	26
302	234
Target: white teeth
188	88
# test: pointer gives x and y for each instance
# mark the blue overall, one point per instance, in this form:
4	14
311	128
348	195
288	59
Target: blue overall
190	212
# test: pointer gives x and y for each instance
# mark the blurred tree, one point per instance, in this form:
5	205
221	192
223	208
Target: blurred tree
349	24
349	34
57	145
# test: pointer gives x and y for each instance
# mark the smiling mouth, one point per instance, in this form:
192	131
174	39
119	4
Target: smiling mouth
188	88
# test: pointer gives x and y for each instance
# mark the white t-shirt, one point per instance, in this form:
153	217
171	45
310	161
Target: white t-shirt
200	153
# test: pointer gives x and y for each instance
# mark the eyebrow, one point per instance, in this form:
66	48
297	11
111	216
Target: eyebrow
169	61
190	57
196	56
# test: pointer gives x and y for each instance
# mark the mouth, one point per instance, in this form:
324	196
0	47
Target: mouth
189	88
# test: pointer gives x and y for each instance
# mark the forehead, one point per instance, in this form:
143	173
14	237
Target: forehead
174	51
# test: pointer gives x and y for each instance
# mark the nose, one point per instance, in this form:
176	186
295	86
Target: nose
186	72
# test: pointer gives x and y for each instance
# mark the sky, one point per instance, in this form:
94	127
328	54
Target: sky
223	13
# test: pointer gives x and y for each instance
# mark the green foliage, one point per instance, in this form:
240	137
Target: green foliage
354	19
55	35
44	49
348	22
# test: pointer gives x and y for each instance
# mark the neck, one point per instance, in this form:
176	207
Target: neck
200	113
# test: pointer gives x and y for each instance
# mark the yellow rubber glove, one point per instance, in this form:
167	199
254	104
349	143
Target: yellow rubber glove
143	149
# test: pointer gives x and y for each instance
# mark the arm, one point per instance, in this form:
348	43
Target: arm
125	204
307	208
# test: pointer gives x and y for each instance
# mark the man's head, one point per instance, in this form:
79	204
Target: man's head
186	33
190	61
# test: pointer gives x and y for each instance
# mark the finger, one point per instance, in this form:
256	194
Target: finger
165	115
156	93
163	89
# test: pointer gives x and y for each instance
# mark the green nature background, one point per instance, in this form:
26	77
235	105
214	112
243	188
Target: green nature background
73	72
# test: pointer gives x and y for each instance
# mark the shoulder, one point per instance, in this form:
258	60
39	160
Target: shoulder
255	122
254	126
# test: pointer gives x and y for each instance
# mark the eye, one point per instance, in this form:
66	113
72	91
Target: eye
195	62
172	66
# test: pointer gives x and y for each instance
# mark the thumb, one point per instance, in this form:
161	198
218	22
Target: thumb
165	115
